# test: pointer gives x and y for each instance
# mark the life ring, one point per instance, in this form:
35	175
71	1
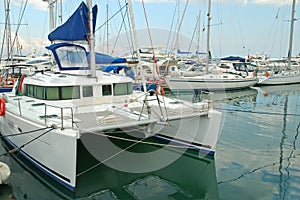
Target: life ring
10	81
2	106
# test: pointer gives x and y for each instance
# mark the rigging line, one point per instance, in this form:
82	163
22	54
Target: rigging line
194	33
257	112
143	142
19	24
171	28
30	141
112	17
180	23
131	40
121	26
23	133
6	7
123	17
151	41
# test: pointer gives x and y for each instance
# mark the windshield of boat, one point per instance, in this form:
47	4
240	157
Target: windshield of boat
72	56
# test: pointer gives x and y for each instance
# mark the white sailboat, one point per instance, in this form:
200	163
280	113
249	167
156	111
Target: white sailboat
211	80
282	72
49	113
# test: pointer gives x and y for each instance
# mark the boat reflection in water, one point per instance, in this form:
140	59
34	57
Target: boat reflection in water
191	176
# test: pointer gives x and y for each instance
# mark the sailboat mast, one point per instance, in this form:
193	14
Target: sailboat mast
291	33
198	36
8	30
208	56
91	39
51	14
135	40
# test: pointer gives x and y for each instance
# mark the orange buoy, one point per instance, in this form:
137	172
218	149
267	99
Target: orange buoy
267	74
160	90
2	106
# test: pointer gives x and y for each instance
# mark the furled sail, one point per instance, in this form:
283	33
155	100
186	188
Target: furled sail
76	28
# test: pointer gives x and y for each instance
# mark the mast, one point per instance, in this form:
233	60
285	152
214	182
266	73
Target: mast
107	29
208	56
291	33
7	32
135	40
91	39
198	35
51	15
52	24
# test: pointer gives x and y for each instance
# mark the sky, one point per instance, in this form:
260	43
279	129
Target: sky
238	27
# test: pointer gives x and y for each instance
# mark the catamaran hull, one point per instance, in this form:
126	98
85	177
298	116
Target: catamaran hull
179	84
53	152
202	135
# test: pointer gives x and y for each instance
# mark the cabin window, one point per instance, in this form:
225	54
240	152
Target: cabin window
106	90
52	93
122	88
71	92
129	88
87	91
30	91
39	92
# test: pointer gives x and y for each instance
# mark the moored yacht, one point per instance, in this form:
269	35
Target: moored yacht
49	112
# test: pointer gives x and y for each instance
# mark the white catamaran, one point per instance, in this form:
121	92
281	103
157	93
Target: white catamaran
49	112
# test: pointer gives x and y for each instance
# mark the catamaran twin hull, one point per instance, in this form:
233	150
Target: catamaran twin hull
53	149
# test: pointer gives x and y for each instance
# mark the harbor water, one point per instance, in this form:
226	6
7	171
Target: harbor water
257	157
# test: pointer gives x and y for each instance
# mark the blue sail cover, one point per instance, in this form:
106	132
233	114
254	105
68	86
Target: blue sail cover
101	58
115	68
76	28
233	58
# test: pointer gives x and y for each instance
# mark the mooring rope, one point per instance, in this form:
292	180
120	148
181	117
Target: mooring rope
30	141
23	133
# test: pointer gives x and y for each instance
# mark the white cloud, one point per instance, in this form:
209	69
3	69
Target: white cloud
36	4
28	45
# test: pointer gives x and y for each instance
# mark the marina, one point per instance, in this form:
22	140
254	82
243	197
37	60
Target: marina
152	122
256	158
